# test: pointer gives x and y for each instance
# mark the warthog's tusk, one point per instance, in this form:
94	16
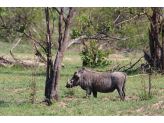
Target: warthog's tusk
67	81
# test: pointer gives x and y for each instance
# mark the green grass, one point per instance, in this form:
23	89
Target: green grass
15	94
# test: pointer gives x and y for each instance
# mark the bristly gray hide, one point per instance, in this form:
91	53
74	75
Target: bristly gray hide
98	82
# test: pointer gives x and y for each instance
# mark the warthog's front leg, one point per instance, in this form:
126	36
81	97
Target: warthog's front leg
95	94
88	92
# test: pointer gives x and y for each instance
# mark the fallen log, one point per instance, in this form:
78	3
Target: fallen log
2	64
30	63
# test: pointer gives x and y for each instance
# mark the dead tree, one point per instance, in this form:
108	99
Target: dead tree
156	49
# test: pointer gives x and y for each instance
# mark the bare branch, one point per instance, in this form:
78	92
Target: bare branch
129	19
35	31
126	20
13	48
150	19
99	38
64	18
18	61
123	39
57	9
75	40
70	15
38	53
134	64
35	41
102	45
117	18
91	20
40	28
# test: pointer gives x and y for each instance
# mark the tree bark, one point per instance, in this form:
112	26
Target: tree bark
49	57
63	42
162	49
156	36
151	43
154	43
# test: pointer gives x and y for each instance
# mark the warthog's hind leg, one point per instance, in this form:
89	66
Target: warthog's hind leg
95	94
122	94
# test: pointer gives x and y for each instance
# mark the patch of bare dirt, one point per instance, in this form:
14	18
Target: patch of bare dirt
105	98
131	97
25	56
21	56
19	89
161	90
61	104
139	109
120	57
75	99
158	104
123	59
69	99
68	59
115	55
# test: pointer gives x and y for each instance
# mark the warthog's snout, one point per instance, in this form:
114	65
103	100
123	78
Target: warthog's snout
69	84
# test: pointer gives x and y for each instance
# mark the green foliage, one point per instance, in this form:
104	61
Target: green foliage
55	14
83	27
95	57
3	11
75	33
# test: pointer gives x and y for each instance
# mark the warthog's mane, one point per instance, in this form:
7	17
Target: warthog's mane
89	76
91	71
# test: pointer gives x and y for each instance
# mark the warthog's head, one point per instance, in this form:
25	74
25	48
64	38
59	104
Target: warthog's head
75	79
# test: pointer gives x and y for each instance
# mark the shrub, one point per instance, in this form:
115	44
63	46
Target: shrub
94	57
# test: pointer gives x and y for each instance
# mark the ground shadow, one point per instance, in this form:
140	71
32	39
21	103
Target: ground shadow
4	104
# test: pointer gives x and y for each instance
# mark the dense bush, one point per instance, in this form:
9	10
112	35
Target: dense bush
94	57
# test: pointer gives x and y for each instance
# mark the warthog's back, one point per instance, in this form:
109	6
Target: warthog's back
108	82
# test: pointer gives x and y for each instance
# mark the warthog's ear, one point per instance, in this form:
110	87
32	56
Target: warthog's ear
83	69
76	73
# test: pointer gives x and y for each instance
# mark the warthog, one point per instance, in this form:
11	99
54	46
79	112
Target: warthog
98	82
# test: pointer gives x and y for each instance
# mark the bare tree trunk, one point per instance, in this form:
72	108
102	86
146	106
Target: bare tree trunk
151	43
154	43
49	57
156	36
63	42
55	81
162	49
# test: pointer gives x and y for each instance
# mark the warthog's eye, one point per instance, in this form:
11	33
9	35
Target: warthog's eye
71	81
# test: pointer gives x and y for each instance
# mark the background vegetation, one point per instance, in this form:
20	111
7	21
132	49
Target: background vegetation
16	81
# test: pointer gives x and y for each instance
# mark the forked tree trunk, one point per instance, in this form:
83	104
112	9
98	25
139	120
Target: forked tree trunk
52	80
154	44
